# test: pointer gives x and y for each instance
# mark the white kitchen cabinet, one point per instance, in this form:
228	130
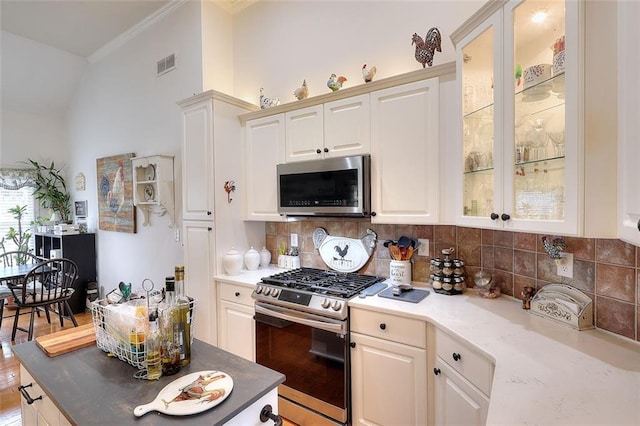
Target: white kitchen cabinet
405	173
153	186
42	411
236	326
388	369
462	382
199	264
264	150
333	129
197	160
525	145
628	123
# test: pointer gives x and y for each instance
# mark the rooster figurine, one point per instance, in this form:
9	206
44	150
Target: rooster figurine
554	248
302	92
335	83
368	73
425	49
266	102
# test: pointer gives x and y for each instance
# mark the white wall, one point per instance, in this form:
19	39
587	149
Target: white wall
277	44
121	107
36	87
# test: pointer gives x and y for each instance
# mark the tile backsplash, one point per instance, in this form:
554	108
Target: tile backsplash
608	270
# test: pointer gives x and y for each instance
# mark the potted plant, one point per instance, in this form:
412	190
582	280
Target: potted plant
51	190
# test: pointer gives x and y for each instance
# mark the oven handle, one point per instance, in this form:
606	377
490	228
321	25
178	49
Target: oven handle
304	319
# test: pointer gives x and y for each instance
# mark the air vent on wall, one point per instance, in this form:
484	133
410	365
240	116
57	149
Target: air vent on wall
166	64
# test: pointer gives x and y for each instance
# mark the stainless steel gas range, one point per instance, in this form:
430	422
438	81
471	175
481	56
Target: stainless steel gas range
302	331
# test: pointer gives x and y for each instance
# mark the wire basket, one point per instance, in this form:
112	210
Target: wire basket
121	329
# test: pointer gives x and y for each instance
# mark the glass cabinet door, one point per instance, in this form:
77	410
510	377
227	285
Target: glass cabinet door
537	128
478	65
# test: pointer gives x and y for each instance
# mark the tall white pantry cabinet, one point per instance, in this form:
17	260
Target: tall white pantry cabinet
210	124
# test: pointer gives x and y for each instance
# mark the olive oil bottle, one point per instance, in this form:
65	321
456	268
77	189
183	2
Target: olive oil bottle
153	341
184	307
170	330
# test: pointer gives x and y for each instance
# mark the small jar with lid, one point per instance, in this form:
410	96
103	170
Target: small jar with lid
458	283
447	267
435	265
447	284
458	267
436	281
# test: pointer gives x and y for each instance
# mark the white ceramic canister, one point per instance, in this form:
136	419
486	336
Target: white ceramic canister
400	272
265	257
252	259
232	262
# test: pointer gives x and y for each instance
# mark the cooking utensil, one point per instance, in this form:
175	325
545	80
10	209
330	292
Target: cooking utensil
395	253
387	243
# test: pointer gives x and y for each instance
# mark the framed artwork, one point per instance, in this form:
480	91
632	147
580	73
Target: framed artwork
81	208
116	211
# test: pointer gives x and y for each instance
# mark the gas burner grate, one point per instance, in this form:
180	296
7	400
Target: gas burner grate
330	283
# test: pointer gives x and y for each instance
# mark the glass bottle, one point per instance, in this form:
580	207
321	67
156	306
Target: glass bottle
170	329
154	361
184	307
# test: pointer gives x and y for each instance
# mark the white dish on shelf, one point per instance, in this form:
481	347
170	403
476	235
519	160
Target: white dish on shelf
150	172
149	192
536	74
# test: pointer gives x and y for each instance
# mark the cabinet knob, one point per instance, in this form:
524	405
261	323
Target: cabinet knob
373	214
436	371
505	217
638	224
267	414
326	149
494	216
352	344
209	228
456	356
318	151
237	294
383	326
208	213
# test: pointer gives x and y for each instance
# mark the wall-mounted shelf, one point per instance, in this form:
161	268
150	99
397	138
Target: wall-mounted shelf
153	186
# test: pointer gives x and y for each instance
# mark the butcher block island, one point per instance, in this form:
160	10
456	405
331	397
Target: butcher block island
86	386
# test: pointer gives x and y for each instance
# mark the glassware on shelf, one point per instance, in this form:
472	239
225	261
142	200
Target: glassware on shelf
538	139
557	139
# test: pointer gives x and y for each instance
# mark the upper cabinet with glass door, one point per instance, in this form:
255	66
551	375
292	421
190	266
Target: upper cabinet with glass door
518	68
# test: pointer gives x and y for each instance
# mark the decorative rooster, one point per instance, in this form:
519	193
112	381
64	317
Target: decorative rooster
427	48
335	83
368	73
266	102
554	248
302	92
342	252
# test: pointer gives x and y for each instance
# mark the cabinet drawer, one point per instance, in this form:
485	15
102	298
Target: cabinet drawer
236	293
43	409
470	364
389	327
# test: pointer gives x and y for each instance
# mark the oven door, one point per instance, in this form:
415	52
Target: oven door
312	352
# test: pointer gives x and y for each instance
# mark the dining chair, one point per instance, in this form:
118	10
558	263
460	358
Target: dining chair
47	283
8	259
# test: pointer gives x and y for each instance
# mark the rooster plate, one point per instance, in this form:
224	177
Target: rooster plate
344	254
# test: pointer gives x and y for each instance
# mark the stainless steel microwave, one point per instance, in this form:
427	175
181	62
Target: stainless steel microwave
338	186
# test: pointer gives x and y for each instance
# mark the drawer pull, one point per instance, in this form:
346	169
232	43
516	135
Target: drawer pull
456	356
26	395
436	371
237	294
383	326
267	414
352	344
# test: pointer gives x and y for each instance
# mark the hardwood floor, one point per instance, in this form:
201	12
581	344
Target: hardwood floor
9	366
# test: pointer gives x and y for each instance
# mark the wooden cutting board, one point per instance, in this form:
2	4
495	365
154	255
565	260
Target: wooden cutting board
68	340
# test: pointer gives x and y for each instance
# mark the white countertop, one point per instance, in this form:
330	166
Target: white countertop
249	277
546	373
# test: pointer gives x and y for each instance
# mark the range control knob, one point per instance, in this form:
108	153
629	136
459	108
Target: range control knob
336	305
259	289
266	291
325	303
275	292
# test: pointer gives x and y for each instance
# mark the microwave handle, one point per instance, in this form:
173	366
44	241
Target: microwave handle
334	327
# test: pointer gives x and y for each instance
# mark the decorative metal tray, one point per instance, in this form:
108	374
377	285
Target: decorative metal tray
564	304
